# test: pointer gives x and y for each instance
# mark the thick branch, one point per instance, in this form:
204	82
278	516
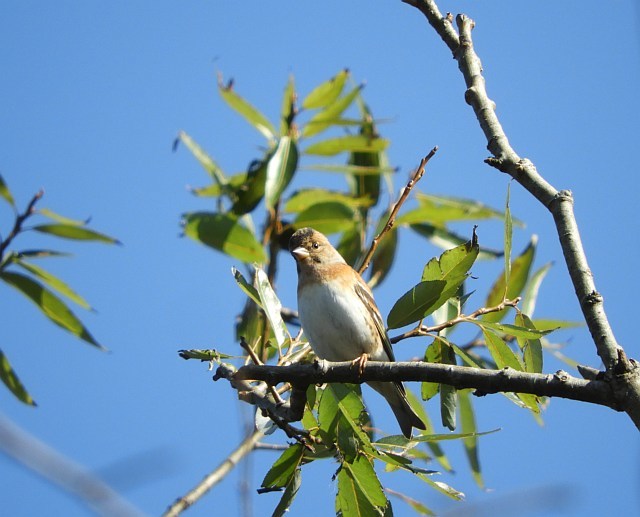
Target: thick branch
559	384
524	172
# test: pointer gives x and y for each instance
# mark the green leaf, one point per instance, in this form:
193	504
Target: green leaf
416	505
283	470
468	425
531	348
338	400
41	254
73	232
547	324
288	109
513	330
361	170
330	115
209	165
415	304
289	494
54	282
60	218
249	290
448	394
224	233
500	351
359	490
349	143
452	268
432	354
517	280
11	380
508	236
530	294
433	446
280	170
450	436
247	111
443	488
350	245
5	193
305	198
385	253
201	354
248	194
51	306
329	217
272	308
327	92
438	210
443	238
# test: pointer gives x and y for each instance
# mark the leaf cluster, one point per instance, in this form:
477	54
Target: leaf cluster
49	293
336	424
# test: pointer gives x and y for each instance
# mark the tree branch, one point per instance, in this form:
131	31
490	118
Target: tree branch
17	225
560	204
246	446
560	384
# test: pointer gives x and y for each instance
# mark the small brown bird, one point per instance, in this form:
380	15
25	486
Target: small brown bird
340	317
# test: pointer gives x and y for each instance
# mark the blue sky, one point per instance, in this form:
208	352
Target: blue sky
92	97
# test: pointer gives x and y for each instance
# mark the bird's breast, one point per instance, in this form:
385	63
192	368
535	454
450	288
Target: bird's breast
336	323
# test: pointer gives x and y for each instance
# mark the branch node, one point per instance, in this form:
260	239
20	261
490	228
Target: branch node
593	298
561	375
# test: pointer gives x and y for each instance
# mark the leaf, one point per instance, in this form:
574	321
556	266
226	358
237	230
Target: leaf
289	495
546	324
54	282
433	446
327	92
288	109
513	330
517	279
531	348
304	198
530	294
450	436
349	143
60	218
249	290
209	165
41	254
330	115
441	209
283	469
361	170
280	170
508	236
11	380
338	400
73	232
416	505
443	488
202	354
224	233
468	425
385	253
350	245
359	490
432	354
329	217
272	308
452	267
51	306
249	192
247	110
448	394
443	238
5	193
367	185
415	304
500	351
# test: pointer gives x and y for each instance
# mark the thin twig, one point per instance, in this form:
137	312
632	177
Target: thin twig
256	360
20	219
396	208
246	446
423	330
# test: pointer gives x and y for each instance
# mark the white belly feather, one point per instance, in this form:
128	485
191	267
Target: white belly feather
337	330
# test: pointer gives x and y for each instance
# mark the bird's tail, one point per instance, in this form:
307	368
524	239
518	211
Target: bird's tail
394	393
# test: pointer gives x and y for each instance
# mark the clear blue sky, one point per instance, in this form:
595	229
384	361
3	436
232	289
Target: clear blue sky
91	97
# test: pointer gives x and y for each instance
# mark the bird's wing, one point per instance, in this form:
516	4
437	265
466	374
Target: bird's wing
365	295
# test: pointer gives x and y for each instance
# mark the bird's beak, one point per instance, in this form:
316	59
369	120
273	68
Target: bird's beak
299	253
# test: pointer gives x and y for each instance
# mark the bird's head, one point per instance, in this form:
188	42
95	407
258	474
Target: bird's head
311	247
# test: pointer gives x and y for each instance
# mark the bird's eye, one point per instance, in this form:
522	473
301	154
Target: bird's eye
315	245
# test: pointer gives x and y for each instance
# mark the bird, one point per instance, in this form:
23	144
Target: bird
340	317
